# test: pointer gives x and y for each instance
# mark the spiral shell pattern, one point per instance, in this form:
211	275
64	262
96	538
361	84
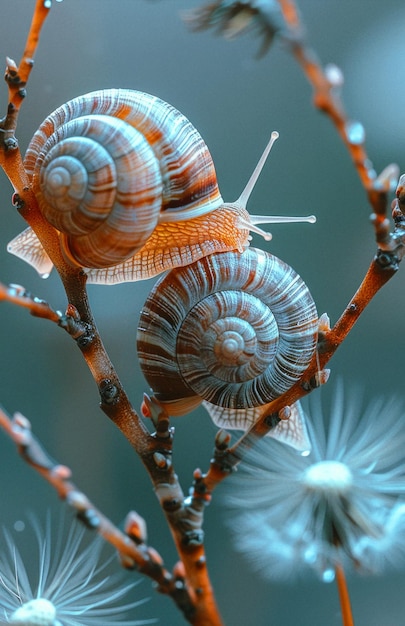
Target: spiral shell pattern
108	166
237	330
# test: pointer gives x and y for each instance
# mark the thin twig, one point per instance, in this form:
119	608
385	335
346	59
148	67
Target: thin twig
16	294
326	96
134	552
17	78
326	89
189	585
184	518
328	342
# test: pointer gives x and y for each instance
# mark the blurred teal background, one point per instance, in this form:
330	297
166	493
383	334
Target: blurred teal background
235	101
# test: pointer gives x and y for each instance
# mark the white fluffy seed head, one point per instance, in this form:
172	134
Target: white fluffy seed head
342	503
38	612
330	477
73	586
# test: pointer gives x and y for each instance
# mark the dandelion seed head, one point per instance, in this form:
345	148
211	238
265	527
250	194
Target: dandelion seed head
342	503
332	477
38	612
73	586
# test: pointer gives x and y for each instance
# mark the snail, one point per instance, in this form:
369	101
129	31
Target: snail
130	186
235	330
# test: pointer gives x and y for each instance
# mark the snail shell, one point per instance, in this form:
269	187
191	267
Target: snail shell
111	166
108	166
235	330
130	186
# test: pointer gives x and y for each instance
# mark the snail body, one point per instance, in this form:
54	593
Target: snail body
291	429
233	330
130	186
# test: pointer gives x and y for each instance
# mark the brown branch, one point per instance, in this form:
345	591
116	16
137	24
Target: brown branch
189	585
132	548
184	518
17	78
10	156
325	97
326	87
381	269
16	294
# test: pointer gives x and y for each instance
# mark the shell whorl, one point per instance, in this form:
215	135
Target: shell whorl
130	187
236	330
110	165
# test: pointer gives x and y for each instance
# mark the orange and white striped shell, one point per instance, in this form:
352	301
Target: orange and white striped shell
109	166
233	330
130	186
